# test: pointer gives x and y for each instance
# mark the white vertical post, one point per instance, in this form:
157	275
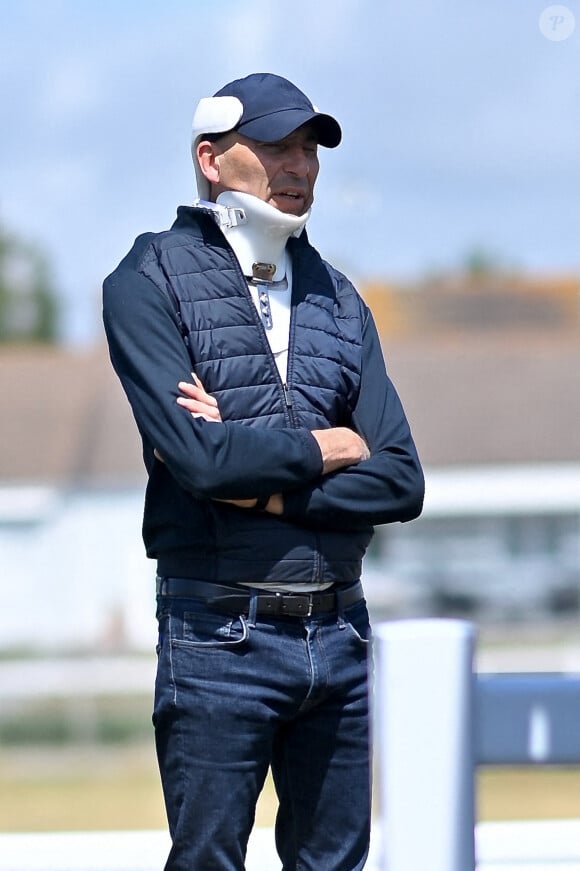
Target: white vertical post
424	744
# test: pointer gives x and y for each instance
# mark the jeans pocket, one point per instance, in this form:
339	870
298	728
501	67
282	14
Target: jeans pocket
209	631
356	621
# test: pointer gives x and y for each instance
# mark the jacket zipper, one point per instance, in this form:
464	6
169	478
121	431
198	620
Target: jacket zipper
283	387
317	561
291	332
287	398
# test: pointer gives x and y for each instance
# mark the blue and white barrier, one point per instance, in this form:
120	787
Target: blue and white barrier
436	721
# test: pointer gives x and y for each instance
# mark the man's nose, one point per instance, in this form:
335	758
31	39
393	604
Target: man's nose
297	162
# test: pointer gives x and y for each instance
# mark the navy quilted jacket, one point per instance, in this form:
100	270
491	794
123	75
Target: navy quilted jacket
178	303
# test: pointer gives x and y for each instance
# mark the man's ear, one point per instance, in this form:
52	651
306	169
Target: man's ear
206	155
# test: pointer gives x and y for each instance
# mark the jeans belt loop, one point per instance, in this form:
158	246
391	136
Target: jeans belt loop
253	608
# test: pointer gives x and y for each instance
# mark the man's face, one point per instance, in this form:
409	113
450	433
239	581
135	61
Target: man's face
281	173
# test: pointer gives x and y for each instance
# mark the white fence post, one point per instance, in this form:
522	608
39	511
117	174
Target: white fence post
424	744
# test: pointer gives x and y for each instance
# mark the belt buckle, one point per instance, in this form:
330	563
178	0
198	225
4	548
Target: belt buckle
300	600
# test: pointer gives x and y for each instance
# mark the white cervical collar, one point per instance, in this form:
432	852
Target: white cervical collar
257	231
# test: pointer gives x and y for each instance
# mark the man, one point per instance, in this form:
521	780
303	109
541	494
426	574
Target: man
274	442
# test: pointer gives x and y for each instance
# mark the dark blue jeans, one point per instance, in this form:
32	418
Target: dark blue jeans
236	695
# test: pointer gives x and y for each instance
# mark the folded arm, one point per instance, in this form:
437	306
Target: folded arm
364	481
339	446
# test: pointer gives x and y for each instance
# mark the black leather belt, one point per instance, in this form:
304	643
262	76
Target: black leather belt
237	601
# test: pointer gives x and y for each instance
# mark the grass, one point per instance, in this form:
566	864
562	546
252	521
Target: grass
117	787
527	793
88	788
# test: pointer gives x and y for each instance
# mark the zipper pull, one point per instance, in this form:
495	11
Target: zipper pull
287	397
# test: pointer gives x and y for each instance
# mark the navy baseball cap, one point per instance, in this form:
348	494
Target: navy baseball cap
273	107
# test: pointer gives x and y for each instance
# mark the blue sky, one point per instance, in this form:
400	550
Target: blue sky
460	120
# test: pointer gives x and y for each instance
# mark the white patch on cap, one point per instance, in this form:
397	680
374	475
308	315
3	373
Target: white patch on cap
216	115
212	115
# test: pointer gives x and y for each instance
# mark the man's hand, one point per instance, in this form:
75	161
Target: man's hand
340	447
197	401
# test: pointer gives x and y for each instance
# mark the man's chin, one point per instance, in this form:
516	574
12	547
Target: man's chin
290	206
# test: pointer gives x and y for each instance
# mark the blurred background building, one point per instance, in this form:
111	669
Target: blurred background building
488	364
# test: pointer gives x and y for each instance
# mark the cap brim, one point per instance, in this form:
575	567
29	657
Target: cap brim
278	125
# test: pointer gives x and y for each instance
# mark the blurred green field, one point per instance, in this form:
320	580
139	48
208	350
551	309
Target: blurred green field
117	787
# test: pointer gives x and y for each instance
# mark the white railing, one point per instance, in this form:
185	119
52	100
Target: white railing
523	846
